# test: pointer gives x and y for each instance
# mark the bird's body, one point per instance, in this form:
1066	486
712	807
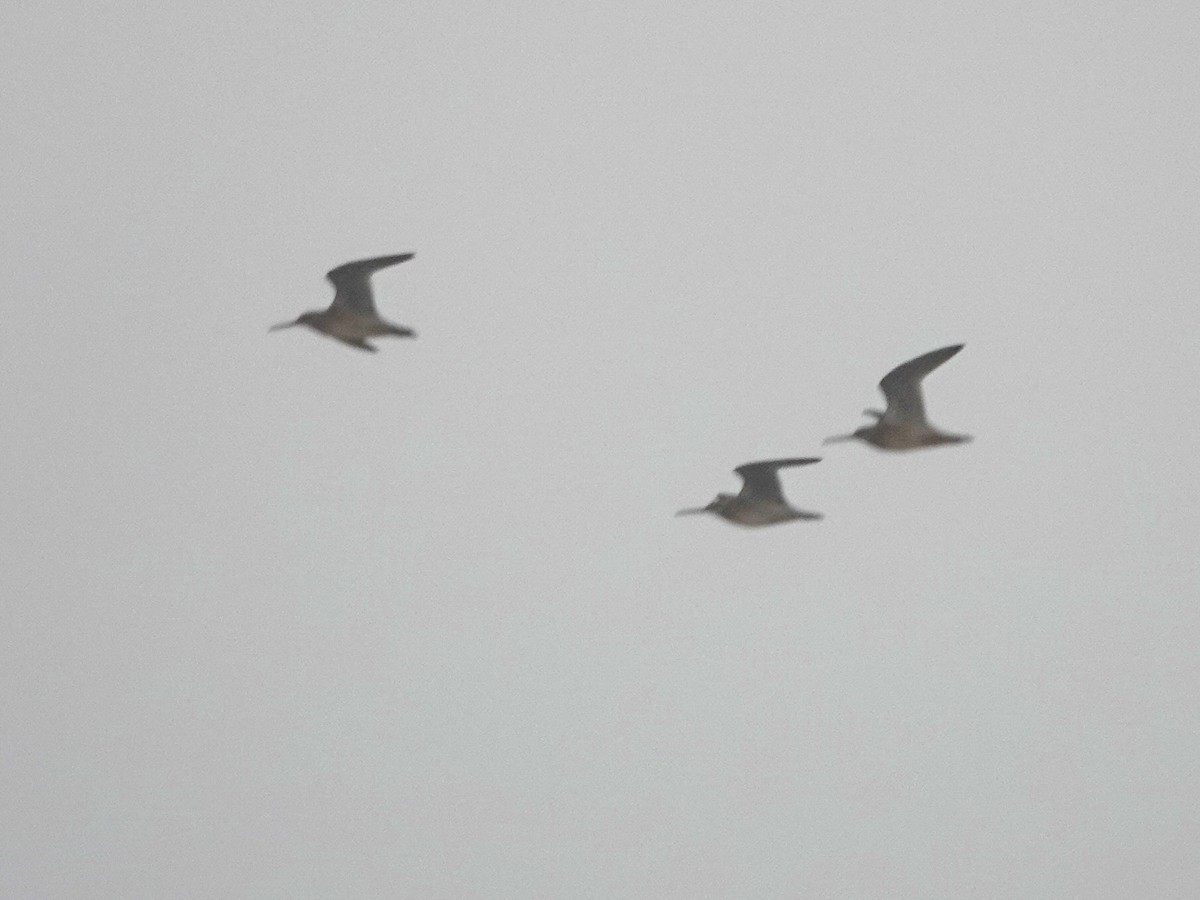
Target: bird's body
351	318
903	425
760	501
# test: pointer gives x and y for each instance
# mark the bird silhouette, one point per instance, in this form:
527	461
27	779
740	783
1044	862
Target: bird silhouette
903	426
761	500
351	318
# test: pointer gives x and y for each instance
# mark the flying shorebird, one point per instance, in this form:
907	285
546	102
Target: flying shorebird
761	500
903	426
351	317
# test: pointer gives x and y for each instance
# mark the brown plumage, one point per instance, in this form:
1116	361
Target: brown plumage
351	318
761	500
903	426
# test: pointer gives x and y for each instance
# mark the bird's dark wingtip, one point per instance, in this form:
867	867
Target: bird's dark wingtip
945	352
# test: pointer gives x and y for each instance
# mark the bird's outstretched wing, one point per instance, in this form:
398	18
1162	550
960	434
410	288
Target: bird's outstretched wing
761	479
902	386
353	282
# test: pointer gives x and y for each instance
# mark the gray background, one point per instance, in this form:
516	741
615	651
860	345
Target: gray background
282	619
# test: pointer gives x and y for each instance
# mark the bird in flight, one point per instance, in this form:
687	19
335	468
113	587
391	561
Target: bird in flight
351	317
761	500
903	426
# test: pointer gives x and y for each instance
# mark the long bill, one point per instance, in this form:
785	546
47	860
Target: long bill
283	325
692	511
838	438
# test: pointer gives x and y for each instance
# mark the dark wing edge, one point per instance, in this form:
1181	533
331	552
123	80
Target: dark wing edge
362	268
902	386
762	478
918	368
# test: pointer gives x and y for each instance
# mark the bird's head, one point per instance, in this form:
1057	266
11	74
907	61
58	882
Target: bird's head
860	434
306	319
716	505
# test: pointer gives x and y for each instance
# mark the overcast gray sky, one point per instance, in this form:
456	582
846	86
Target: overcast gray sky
286	620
